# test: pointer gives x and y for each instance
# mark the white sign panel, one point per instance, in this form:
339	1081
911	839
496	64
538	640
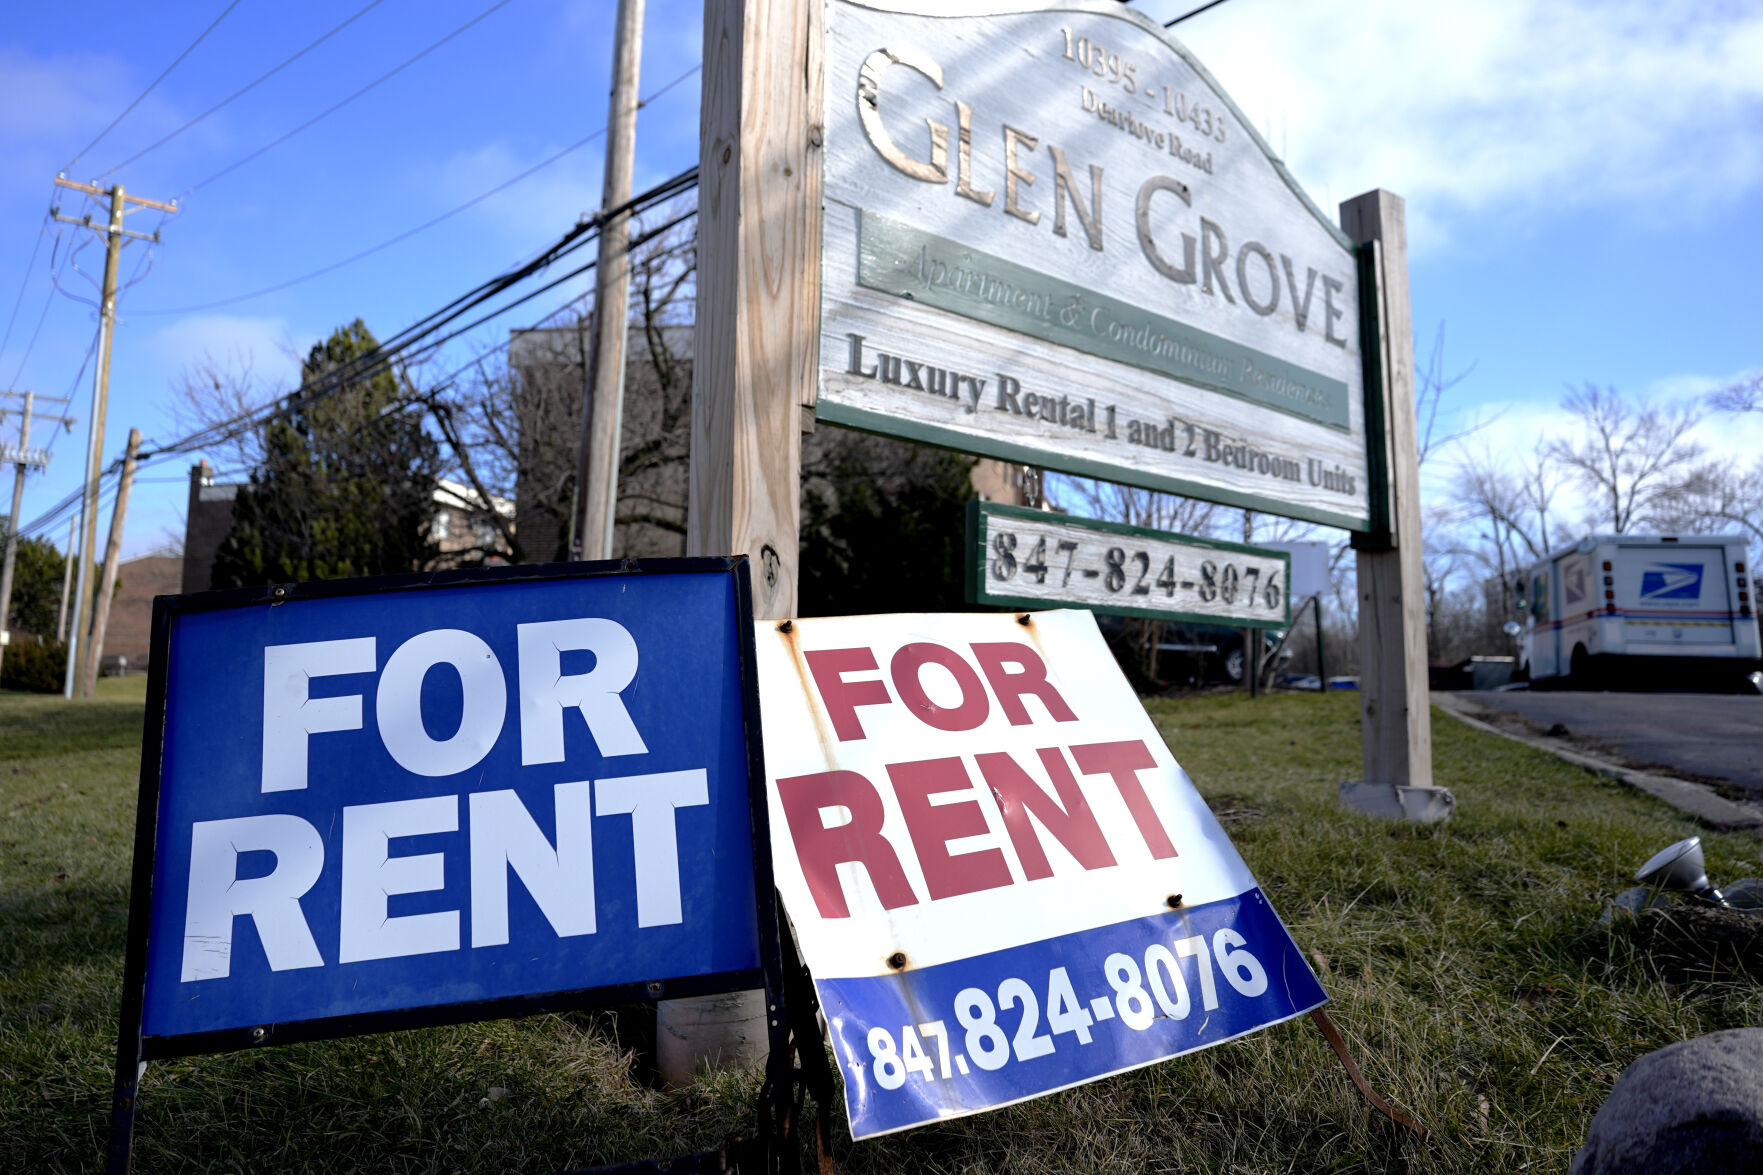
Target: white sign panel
1032	558
1310	567
1049	237
1001	879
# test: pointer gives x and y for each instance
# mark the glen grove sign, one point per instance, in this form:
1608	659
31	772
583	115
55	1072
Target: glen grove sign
1049	237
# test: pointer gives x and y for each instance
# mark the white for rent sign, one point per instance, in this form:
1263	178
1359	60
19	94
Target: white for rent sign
1002	880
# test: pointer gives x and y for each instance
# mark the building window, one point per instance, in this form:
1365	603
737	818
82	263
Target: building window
442	526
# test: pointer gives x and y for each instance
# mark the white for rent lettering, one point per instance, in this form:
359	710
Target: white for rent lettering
503	836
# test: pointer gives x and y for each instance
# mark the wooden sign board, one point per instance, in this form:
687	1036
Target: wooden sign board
1048	236
1032	558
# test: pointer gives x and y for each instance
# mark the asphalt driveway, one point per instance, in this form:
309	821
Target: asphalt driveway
1699	736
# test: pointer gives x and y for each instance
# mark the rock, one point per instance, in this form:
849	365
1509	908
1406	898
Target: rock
1695	1106
1633	901
1395	801
1745	894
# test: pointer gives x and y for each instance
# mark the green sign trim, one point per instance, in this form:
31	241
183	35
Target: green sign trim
848	416
897	259
975	566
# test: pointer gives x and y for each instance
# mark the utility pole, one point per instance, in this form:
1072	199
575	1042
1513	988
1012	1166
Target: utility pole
73	533
24	458
114	235
112	560
596	480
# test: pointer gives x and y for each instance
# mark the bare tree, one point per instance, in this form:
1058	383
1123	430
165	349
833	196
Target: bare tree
1728	496
1744	396
1431	384
1636	463
512	423
214	394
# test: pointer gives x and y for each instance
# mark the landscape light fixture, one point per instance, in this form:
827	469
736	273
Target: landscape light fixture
1680	867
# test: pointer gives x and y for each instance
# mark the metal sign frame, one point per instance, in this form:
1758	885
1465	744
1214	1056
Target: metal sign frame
134	1050
975	564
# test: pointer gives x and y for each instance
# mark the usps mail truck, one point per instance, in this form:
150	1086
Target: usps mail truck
1633	609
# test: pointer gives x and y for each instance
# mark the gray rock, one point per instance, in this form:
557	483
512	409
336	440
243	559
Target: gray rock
1744	894
1691	1107
1633	901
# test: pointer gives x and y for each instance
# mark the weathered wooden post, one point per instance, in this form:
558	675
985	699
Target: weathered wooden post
1396	722
753	381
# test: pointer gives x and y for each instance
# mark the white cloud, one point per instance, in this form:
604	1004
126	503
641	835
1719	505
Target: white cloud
54	105
263	343
1512	107
534	209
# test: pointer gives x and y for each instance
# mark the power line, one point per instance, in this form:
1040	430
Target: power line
423	227
380	359
54	285
149	89
241	92
32	345
326	113
22	285
1169	24
403	344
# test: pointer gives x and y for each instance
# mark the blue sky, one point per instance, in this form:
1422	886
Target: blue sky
1584	181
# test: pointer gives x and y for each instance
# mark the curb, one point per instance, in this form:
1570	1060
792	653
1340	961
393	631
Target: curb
1693	799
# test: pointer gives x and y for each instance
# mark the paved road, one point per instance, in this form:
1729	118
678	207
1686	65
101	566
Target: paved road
1702	735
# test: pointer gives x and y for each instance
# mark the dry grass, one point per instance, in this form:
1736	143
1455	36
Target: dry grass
1464	962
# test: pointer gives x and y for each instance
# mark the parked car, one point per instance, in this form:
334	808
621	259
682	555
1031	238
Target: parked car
1192	655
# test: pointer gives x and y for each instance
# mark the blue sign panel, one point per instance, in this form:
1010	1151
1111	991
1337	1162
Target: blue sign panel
999	1028
437	796
1672	581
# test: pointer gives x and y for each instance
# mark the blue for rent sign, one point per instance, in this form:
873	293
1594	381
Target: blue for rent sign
414	802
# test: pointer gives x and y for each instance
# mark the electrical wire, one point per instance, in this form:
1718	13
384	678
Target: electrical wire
246	89
1169	24
24	284
382	358
31	346
423	227
199	39
330	110
403	346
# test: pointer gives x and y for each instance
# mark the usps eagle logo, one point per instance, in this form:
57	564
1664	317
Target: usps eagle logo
1672	581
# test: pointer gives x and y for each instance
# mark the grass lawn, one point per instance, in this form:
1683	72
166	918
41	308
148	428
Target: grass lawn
1465	964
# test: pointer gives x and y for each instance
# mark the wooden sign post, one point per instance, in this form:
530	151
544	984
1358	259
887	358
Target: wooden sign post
1395	718
753	376
1039	230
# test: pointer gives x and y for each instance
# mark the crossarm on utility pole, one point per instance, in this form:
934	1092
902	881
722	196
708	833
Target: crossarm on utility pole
63	182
